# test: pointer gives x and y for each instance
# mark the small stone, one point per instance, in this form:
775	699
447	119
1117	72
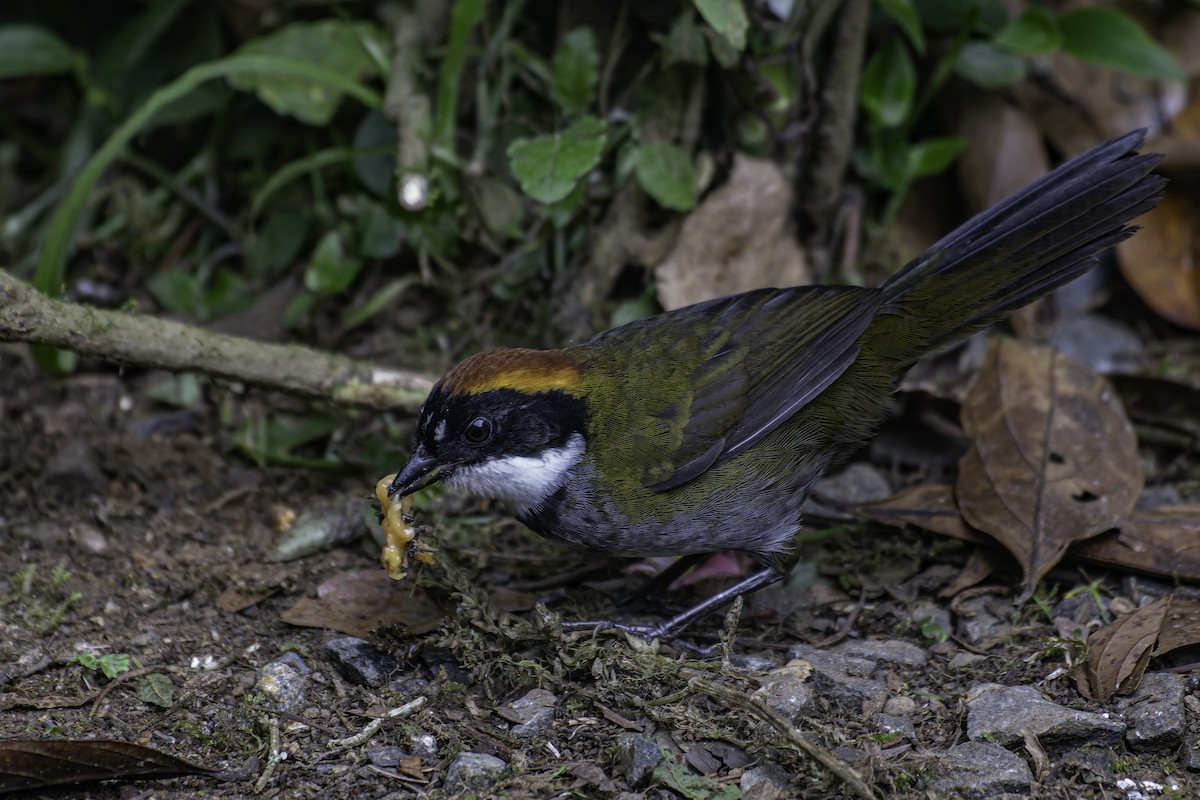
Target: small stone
965	660
473	771
88	539
905	654
1155	713
980	770
857	484
754	663
900	706
1002	713
385	756
841	678
637	758
785	689
1087	765
359	662
283	680
894	730
977	622
73	467
533	713
423	744
1191	754
766	782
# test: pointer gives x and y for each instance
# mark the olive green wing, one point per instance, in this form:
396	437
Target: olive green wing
725	373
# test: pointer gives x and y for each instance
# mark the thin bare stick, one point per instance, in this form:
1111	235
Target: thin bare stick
27	315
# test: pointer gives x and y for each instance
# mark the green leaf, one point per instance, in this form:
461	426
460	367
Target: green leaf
85	660
278	242
48	277
177	291
379	301
33	50
548	167
227	293
114	664
728	18
987	66
576	71
666	172
272	440
330	271
684	43
1034	33
330	45
464	17
904	14
381	234
889	84
1107	37
156	689
931	156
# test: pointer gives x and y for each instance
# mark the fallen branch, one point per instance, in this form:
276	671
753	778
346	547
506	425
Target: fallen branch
27	315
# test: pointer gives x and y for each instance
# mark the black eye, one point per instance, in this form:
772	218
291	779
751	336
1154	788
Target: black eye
478	431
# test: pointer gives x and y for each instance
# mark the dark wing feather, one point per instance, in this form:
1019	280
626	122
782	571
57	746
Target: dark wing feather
734	369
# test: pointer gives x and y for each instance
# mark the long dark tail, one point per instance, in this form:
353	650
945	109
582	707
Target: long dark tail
1043	236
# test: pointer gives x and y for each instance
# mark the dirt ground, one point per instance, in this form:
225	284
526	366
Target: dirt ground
124	524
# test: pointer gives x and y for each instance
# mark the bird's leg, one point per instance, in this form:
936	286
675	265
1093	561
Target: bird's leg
671	628
662	580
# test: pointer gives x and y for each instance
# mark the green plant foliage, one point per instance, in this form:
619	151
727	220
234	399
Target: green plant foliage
889	85
904	13
330	45
1033	33
111	664
665	171
33	50
1108	37
548	167
727	18
931	156
988	66
576	70
330	271
157	689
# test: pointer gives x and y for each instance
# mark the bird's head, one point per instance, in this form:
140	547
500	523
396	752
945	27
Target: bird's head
507	424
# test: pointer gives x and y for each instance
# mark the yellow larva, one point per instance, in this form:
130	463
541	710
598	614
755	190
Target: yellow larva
399	533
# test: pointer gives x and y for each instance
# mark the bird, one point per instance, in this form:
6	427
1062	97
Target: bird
705	428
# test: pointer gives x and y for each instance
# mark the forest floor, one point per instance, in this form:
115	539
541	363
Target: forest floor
129	529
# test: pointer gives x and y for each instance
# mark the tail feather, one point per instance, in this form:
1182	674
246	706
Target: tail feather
1024	247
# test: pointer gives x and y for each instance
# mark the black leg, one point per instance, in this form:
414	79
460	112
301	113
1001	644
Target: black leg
670	628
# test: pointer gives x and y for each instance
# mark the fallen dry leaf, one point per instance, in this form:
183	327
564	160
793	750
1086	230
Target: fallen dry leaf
1161	541
929	506
738	239
1160	263
35	764
1119	652
1007	151
1160	401
1181	627
1053	459
359	602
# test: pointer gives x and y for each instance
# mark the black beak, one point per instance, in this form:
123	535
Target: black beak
420	471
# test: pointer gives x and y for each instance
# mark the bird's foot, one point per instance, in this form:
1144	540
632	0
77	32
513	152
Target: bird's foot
668	631
664	632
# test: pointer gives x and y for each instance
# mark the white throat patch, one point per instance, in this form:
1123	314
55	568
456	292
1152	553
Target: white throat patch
522	482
